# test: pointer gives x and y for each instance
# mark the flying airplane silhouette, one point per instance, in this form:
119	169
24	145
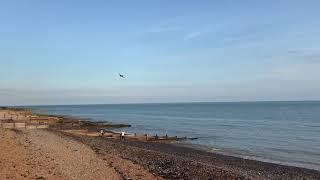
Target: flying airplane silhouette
121	75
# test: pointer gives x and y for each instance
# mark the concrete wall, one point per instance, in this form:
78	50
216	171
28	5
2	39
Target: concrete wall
23	125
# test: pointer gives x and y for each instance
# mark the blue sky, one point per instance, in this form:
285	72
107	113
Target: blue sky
70	52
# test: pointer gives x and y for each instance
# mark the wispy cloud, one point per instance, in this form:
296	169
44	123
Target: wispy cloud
312	55
240	38
194	35
166	25
296	65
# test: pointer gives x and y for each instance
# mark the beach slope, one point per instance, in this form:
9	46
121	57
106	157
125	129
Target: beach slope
40	154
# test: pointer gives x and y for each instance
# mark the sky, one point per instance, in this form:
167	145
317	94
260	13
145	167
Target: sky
70	52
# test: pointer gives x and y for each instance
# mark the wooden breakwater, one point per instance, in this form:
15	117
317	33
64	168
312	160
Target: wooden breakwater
25	119
109	134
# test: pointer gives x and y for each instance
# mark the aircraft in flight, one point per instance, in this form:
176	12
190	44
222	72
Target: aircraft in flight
121	75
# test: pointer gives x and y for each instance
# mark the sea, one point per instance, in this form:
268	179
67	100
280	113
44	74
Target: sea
280	132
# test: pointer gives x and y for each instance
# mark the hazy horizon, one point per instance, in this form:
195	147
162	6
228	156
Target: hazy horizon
186	102
58	52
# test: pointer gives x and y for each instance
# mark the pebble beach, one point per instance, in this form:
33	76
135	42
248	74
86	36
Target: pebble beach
54	153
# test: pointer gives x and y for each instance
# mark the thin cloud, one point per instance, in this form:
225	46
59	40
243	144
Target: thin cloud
193	35
167	25
240	38
311	55
298	72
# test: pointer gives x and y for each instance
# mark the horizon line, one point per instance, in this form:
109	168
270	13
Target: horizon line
178	102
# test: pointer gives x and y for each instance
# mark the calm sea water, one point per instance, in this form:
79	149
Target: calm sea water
283	132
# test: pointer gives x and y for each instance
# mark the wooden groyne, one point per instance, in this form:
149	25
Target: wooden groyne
25	119
123	135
